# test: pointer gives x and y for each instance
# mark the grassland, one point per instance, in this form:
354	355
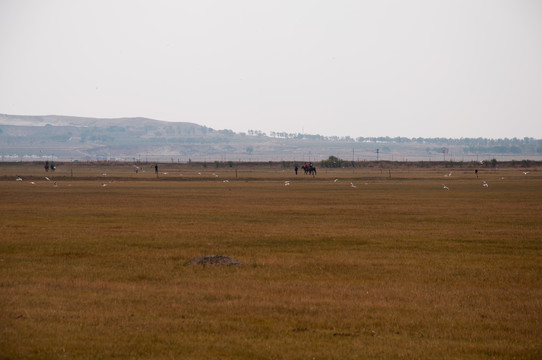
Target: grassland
395	267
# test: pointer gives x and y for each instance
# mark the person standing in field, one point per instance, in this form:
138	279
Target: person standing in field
295	168
156	169
46	166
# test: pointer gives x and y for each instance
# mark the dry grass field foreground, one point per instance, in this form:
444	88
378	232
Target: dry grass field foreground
350	264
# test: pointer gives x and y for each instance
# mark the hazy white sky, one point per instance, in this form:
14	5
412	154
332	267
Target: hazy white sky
457	68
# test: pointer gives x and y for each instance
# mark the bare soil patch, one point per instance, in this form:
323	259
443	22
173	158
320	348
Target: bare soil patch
214	260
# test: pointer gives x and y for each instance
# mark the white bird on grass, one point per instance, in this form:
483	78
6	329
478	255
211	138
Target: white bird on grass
485	184
525	172
33	183
335	180
354	186
19	178
225	181
286	183
445	187
46	178
104	185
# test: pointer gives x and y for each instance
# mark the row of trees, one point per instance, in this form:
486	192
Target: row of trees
335	162
527	145
405	140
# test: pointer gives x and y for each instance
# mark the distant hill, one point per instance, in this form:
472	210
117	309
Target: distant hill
131	124
130	139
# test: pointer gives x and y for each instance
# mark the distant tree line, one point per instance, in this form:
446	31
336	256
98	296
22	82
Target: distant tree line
405	140
527	145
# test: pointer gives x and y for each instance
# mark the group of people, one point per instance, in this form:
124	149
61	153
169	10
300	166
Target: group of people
52	166
307	167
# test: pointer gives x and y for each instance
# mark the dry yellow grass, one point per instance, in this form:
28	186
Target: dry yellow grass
394	268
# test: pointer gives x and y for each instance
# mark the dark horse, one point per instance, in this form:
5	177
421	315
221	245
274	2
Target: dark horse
311	170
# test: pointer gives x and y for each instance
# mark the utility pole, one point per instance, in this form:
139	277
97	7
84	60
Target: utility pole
444	151
353	160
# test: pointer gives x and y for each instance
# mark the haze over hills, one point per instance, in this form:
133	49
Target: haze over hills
129	139
60	120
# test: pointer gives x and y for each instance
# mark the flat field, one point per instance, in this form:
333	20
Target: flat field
351	264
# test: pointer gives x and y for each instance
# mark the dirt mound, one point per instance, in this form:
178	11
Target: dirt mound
214	260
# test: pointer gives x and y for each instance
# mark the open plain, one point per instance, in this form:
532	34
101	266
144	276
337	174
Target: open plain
363	263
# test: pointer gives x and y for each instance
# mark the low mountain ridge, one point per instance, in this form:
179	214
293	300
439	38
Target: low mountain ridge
62	120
